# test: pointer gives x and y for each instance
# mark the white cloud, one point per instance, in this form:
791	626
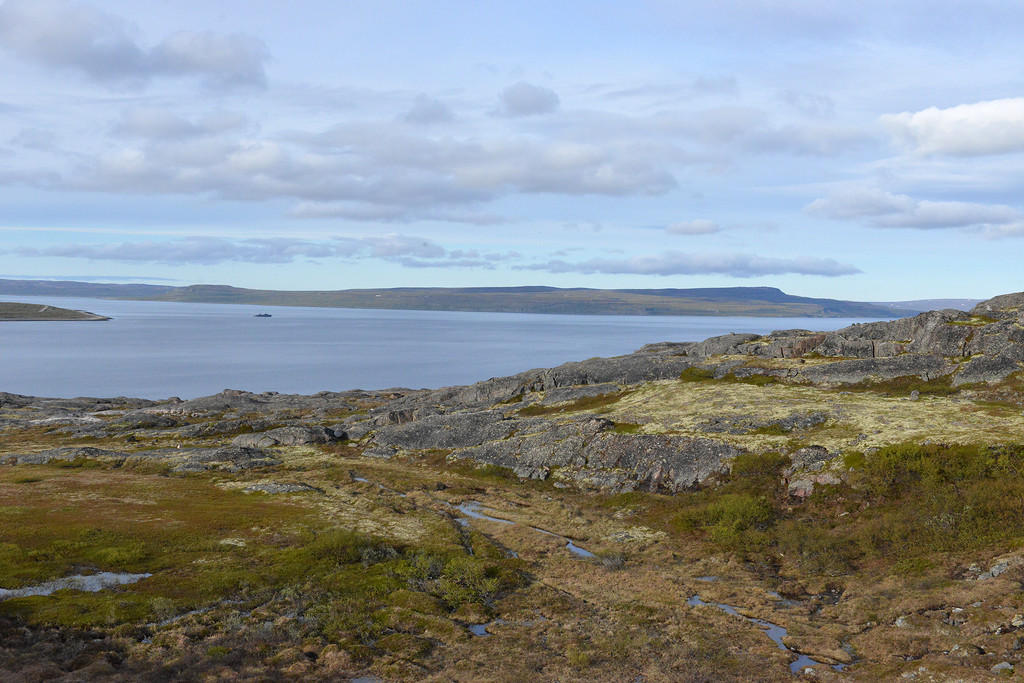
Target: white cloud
63	34
699	226
679	263
526	99
383	171
886	210
992	127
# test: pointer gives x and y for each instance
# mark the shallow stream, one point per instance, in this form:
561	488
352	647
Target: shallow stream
89	583
773	631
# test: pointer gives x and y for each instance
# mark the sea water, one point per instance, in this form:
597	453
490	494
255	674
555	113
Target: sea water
157	350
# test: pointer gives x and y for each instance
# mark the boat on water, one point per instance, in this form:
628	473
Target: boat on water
262	315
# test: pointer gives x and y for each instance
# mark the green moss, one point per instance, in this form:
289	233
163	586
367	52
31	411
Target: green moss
697	374
905	384
770	430
599	403
755	380
626	428
974	321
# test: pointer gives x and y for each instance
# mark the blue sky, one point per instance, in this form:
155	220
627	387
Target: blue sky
871	151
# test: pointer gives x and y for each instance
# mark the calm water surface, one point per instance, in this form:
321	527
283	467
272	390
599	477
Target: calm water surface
158	350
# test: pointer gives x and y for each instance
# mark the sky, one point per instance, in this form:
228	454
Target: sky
871	151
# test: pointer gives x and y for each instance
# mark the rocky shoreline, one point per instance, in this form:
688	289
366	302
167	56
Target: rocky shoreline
536	423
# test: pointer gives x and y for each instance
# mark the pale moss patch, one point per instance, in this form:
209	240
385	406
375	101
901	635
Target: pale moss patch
856	420
636	534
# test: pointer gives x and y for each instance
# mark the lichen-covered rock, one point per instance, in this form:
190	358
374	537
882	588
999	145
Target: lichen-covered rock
586	452
231	458
278	487
65	454
286	436
1003	307
457	430
723	345
143	420
926	367
986	369
563	394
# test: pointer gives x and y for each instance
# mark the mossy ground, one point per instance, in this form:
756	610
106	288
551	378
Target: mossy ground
858	420
379	577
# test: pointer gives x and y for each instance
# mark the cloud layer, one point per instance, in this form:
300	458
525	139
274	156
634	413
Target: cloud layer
886	210
679	263
408	251
59	33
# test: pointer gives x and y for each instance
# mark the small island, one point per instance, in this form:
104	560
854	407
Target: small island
18	311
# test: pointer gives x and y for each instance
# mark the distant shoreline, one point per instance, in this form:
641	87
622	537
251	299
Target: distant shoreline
713	302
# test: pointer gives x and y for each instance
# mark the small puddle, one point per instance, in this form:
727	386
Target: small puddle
785	602
480	630
473	509
576	550
709	579
773	631
88	583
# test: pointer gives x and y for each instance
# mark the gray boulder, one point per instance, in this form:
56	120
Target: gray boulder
926	367
286	436
723	345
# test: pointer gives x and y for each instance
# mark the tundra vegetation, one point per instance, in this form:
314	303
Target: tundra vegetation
422	535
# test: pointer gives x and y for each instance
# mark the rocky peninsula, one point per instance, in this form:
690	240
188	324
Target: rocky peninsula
19	311
859	489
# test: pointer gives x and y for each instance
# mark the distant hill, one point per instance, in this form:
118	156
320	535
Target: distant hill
921	305
722	301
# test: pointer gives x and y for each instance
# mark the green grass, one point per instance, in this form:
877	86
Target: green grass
313	580
899	510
